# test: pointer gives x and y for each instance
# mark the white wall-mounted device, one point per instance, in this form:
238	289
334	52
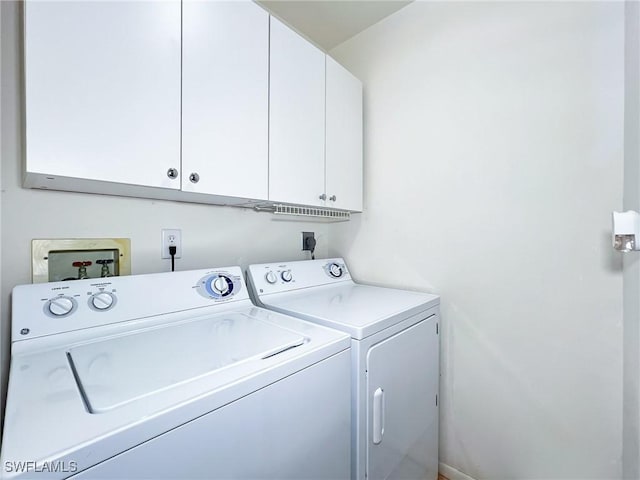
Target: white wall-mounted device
626	231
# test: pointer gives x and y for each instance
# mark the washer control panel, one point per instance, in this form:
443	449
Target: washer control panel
282	277
43	309
219	285
98	297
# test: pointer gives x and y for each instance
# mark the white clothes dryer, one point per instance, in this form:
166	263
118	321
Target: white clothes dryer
171	375
395	359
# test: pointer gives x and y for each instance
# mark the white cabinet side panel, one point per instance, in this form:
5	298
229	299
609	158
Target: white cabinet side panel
103	90
296	116
344	138
225	97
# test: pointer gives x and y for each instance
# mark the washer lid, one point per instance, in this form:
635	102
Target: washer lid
360	310
119	370
46	419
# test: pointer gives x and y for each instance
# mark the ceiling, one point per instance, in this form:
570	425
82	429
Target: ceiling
328	23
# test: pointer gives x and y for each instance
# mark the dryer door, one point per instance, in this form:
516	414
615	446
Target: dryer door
402	415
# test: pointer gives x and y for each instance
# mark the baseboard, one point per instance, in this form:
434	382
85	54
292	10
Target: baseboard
453	474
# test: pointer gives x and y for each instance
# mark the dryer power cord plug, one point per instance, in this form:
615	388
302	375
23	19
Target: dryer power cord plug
172	252
310	244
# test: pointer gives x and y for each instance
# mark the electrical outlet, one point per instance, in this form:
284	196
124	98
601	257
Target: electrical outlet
308	241
171	237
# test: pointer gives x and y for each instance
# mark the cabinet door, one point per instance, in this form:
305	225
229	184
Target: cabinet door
402	415
102	84
296	116
225	98
344	138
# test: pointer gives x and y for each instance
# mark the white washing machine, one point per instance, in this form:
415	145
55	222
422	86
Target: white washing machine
171	375
395	359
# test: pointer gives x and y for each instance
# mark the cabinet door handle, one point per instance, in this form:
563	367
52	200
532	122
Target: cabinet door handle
172	173
378	415
323	196
194	178
332	198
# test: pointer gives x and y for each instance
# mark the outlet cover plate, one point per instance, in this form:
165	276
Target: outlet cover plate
171	236
306	235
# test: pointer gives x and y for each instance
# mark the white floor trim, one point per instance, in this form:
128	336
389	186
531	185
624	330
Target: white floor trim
453	474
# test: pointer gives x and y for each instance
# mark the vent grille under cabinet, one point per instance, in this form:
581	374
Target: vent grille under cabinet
315	212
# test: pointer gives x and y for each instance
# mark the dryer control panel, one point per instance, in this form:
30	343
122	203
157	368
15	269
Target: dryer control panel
269	278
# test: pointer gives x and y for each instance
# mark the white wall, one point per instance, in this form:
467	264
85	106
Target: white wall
493	158
211	235
2	347
631	201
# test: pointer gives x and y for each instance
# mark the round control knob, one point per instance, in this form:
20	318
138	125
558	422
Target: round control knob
271	277
335	270
286	276
220	285
61	306
102	301
217	285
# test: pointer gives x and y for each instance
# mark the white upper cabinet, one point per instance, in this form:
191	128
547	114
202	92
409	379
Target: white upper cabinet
204	101
343	138
225	99
103	91
296	116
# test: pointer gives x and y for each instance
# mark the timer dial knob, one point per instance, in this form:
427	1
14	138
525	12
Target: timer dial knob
335	270
270	277
61	306
102	301
220	285
286	276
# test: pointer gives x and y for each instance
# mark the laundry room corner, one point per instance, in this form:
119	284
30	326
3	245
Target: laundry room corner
493	159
